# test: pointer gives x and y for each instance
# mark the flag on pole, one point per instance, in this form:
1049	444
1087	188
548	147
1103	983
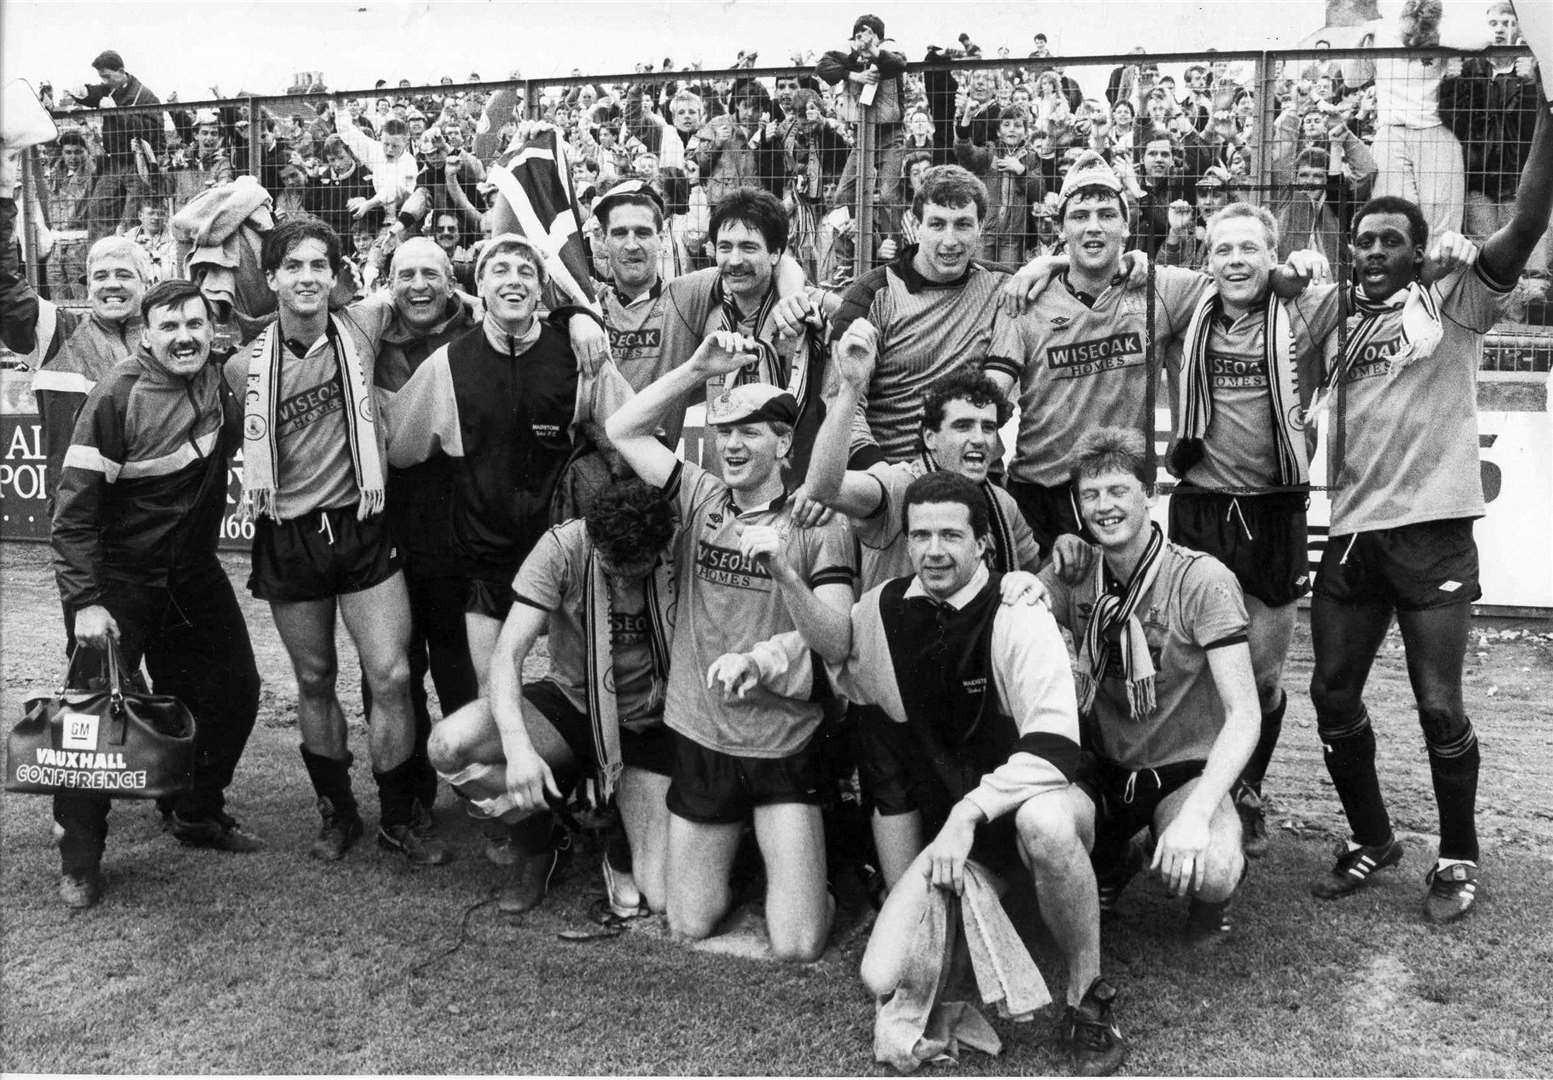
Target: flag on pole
535	182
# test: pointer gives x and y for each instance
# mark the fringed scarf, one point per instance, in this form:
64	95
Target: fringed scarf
603	706
1421	334
1195	414
1113	611
768	366
261	448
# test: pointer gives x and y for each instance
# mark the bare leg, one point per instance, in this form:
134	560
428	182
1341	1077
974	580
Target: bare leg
306	629
898	840
378	620
1056	832
700	860
646	820
799	909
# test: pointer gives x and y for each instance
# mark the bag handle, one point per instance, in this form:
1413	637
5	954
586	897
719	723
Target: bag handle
111	660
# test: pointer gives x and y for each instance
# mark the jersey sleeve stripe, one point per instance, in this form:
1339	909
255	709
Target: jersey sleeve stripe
1225	642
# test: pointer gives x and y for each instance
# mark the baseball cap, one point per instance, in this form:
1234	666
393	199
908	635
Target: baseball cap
752	401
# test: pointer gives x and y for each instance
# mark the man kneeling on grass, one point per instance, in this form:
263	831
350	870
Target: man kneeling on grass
603	586
984	695
745	574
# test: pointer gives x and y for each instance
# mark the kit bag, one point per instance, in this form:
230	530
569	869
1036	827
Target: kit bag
101	737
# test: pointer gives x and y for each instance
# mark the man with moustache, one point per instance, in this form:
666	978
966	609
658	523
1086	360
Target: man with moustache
136	525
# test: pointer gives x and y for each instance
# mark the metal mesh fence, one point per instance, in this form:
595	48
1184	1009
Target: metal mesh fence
1308	135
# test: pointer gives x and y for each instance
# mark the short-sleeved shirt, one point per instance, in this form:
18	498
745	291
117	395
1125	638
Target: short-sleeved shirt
315	460
1240	450
553	579
1194	606
1079	367
882	536
636	334
727	604
1405	449
926	330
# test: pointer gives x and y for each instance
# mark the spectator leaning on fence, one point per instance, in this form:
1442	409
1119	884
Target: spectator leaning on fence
869	74
1418	157
1491	106
119	176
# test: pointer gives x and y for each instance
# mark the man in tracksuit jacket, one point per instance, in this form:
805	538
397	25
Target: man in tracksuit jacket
507	404
136	523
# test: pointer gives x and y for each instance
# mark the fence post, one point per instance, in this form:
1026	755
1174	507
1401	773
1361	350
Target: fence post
530	101
1266	119
863	218
31	202
255	147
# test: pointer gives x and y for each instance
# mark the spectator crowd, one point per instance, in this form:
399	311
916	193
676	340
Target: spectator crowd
383	167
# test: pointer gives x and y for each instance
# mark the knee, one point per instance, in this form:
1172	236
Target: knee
690	926
801	948
1225	865
1049	837
1331	699
1445	728
880	972
442	750
316	679
390	676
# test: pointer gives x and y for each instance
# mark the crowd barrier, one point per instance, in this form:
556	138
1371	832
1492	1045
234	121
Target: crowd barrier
1254	126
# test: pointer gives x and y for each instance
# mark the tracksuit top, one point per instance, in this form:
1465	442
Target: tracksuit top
506	418
145	480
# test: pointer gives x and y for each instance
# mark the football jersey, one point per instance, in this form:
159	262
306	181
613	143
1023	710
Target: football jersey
1078	367
1404	448
1194	606
727	604
554	579
1240	450
882	536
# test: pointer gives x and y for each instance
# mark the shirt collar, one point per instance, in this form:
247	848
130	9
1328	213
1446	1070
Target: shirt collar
958	601
915	282
644	298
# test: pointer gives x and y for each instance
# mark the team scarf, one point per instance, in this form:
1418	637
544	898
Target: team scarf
1002	554
1113	611
261	446
767	367
1421	334
1195	412
603	706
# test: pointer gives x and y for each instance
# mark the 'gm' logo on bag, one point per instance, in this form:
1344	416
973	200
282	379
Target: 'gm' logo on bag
80	731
